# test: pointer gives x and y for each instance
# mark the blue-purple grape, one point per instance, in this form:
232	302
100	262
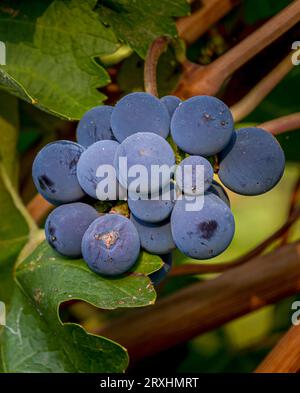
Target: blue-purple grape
98	154
161	274
95	126
217	189
139	112
145	149
66	225
54	172
155	238
154	210
203	233
202	125
171	103
111	245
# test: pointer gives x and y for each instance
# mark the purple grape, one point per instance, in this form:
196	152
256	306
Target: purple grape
188	178
66	225
155	238
139	112
54	172
204	233
95	126
252	163
202	125
111	245
171	102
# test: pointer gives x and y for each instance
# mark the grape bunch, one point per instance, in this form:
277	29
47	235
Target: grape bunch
119	155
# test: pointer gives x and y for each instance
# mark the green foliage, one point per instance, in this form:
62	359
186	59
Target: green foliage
53	47
13	237
250	329
57	51
260	9
138	23
49	280
34	339
50	52
35	343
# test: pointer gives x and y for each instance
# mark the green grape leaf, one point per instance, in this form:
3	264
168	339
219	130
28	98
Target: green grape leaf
147	263
138	23
34	338
48	280
51	48
15	230
31	345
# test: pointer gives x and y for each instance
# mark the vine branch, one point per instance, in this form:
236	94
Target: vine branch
156	49
251	100
190	28
282	124
285	356
208	79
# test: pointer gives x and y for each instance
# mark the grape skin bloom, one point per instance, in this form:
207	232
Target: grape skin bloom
98	154
155	238
217	189
111	245
252	163
154	210
205	233
171	102
54	172
202	125
145	149
158	276
139	112
187	178
66	225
